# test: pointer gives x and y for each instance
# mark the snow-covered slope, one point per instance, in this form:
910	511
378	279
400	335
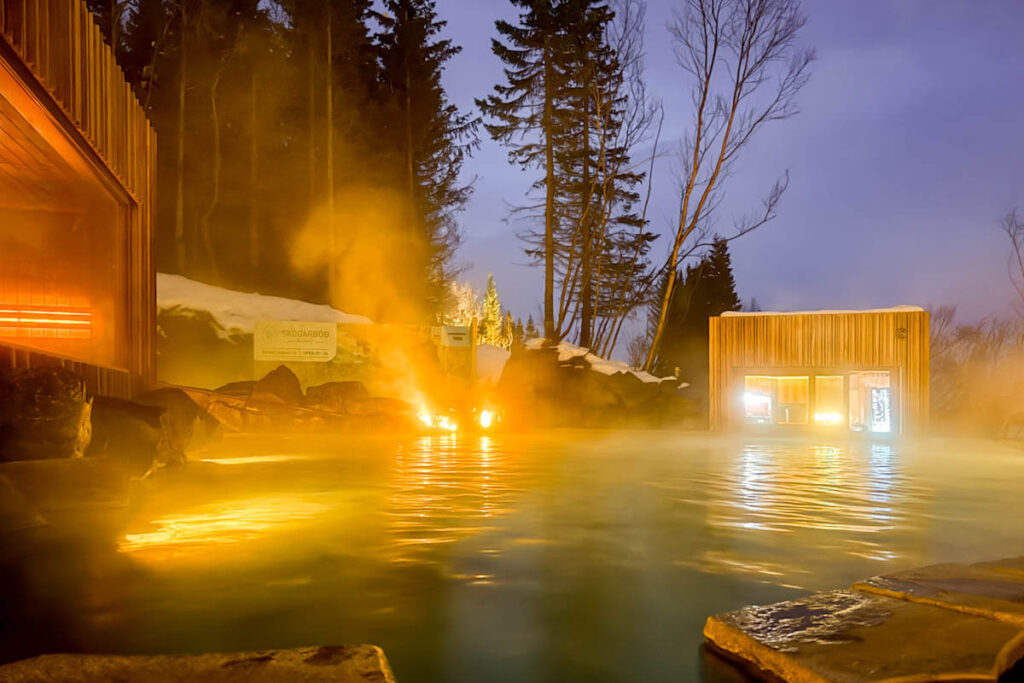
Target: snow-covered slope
237	312
567	351
490	362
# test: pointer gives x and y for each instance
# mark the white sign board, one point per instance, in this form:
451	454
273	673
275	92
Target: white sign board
295	341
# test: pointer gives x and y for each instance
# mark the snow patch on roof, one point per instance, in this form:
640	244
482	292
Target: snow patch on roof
567	351
894	309
237	312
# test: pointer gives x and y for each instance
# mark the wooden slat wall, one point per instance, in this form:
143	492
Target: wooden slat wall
60	44
821	341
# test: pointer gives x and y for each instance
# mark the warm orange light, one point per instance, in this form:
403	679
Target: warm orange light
828	418
445	422
45	321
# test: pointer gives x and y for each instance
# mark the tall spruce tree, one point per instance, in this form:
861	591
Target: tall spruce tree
570	107
431	136
707	288
523	112
490	317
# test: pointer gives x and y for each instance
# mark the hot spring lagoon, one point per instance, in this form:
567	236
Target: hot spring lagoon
568	556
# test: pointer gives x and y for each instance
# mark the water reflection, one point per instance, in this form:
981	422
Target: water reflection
576	556
445	488
780	502
193	532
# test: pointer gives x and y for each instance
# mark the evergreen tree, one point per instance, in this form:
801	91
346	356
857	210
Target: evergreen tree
573	106
523	114
518	332
490	317
431	137
508	331
707	289
530	332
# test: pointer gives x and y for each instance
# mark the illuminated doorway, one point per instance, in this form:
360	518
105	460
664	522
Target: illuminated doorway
871	408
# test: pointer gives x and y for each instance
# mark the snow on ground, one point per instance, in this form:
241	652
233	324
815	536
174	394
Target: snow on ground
237	312
490	361
567	351
894	309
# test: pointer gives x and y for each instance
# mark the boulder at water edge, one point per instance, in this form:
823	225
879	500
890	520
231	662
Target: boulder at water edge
132	434
43	414
190	427
336	397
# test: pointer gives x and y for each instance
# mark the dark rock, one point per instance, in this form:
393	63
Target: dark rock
379	406
336	396
132	434
280	384
536	389
243	389
44	414
190	426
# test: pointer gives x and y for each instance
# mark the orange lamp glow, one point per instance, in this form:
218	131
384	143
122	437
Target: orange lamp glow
33	320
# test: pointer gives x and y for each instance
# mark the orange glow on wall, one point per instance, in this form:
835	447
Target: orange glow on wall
34	320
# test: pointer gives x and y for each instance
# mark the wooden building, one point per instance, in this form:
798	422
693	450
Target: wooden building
832	371
77	182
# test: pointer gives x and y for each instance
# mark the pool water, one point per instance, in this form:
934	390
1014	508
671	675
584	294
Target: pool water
569	556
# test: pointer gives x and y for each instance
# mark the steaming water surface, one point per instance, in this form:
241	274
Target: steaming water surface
567	557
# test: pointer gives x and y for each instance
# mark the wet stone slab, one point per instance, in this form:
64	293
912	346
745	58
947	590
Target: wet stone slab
854	637
338	664
990	589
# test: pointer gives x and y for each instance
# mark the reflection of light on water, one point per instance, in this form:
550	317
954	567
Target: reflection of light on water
445	488
223	522
828	499
256	459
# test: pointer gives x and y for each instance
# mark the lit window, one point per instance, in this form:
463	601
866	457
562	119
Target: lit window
776	400
828	400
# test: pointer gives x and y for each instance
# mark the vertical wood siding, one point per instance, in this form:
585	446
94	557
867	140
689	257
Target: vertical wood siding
75	71
843	342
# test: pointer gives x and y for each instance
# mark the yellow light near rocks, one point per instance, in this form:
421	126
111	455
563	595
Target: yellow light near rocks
426	418
445	422
486	419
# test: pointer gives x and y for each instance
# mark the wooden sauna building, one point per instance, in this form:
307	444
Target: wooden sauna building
77	181
862	372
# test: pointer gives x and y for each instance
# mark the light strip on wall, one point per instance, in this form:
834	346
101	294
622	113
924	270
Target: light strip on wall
45	321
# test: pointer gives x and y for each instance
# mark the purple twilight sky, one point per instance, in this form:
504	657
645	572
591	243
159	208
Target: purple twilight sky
907	151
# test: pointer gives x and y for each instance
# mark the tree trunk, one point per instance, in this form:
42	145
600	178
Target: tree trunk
179	190
586	255
311	121
549	206
254	246
331	237
218	158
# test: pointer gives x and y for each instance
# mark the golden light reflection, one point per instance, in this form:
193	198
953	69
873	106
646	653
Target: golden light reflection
219	524
444	490
786	500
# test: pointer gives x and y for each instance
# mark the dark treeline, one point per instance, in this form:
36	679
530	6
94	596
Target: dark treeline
294	135
307	147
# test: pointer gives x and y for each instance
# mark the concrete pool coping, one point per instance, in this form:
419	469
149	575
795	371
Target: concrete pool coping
338	664
937	623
